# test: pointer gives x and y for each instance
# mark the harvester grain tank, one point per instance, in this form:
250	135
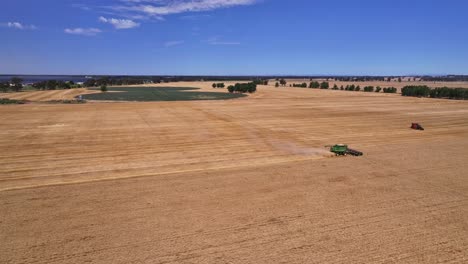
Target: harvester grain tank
342	150
339	149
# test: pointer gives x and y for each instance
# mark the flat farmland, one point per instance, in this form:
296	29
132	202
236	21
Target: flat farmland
382	84
246	180
152	93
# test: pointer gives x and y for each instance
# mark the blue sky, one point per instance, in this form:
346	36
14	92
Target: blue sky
234	37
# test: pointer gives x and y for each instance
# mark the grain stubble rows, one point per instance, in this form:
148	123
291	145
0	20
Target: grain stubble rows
237	181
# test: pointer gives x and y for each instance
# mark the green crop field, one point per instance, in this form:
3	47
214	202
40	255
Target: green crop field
158	94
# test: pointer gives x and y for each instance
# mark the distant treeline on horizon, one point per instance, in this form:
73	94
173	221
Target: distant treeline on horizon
29	79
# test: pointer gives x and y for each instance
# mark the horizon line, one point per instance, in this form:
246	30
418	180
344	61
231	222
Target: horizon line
242	75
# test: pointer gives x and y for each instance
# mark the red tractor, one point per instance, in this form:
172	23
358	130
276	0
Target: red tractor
416	126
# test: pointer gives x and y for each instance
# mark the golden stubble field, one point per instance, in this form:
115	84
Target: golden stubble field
239	181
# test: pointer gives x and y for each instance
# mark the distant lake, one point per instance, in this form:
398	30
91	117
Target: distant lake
38	78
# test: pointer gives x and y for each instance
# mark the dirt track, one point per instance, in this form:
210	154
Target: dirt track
237	181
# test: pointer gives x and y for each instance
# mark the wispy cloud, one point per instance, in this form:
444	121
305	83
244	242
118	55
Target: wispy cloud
194	17
173	43
120	23
168	7
141	1
217	41
81	6
18	25
128	14
83	31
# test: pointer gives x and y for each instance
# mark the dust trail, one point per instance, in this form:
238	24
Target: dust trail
296	149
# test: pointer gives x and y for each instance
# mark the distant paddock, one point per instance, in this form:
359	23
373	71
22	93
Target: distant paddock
158	94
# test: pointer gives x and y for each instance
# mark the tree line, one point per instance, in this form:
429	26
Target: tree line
15	85
352	87
438	92
314	85
218	85
300	85
378	89
370	89
250	87
448	78
260	82
53	85
112	82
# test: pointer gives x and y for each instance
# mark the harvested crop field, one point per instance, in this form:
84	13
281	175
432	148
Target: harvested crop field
236	181
42	96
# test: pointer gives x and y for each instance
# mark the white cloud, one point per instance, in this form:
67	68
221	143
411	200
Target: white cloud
167	7
18	25
173	43
119	23
15	25
83	31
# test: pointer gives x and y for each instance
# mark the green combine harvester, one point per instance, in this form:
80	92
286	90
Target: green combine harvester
342	150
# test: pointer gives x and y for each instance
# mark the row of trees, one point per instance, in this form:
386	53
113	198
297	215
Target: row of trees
324	85
390	90
250	87
260	82
15	84
369	89
112	82
254	82
373	78
300	85
416	90
378	89
218	85
357	88
448	78
314	85
439	92
53	85
281	82
352	87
